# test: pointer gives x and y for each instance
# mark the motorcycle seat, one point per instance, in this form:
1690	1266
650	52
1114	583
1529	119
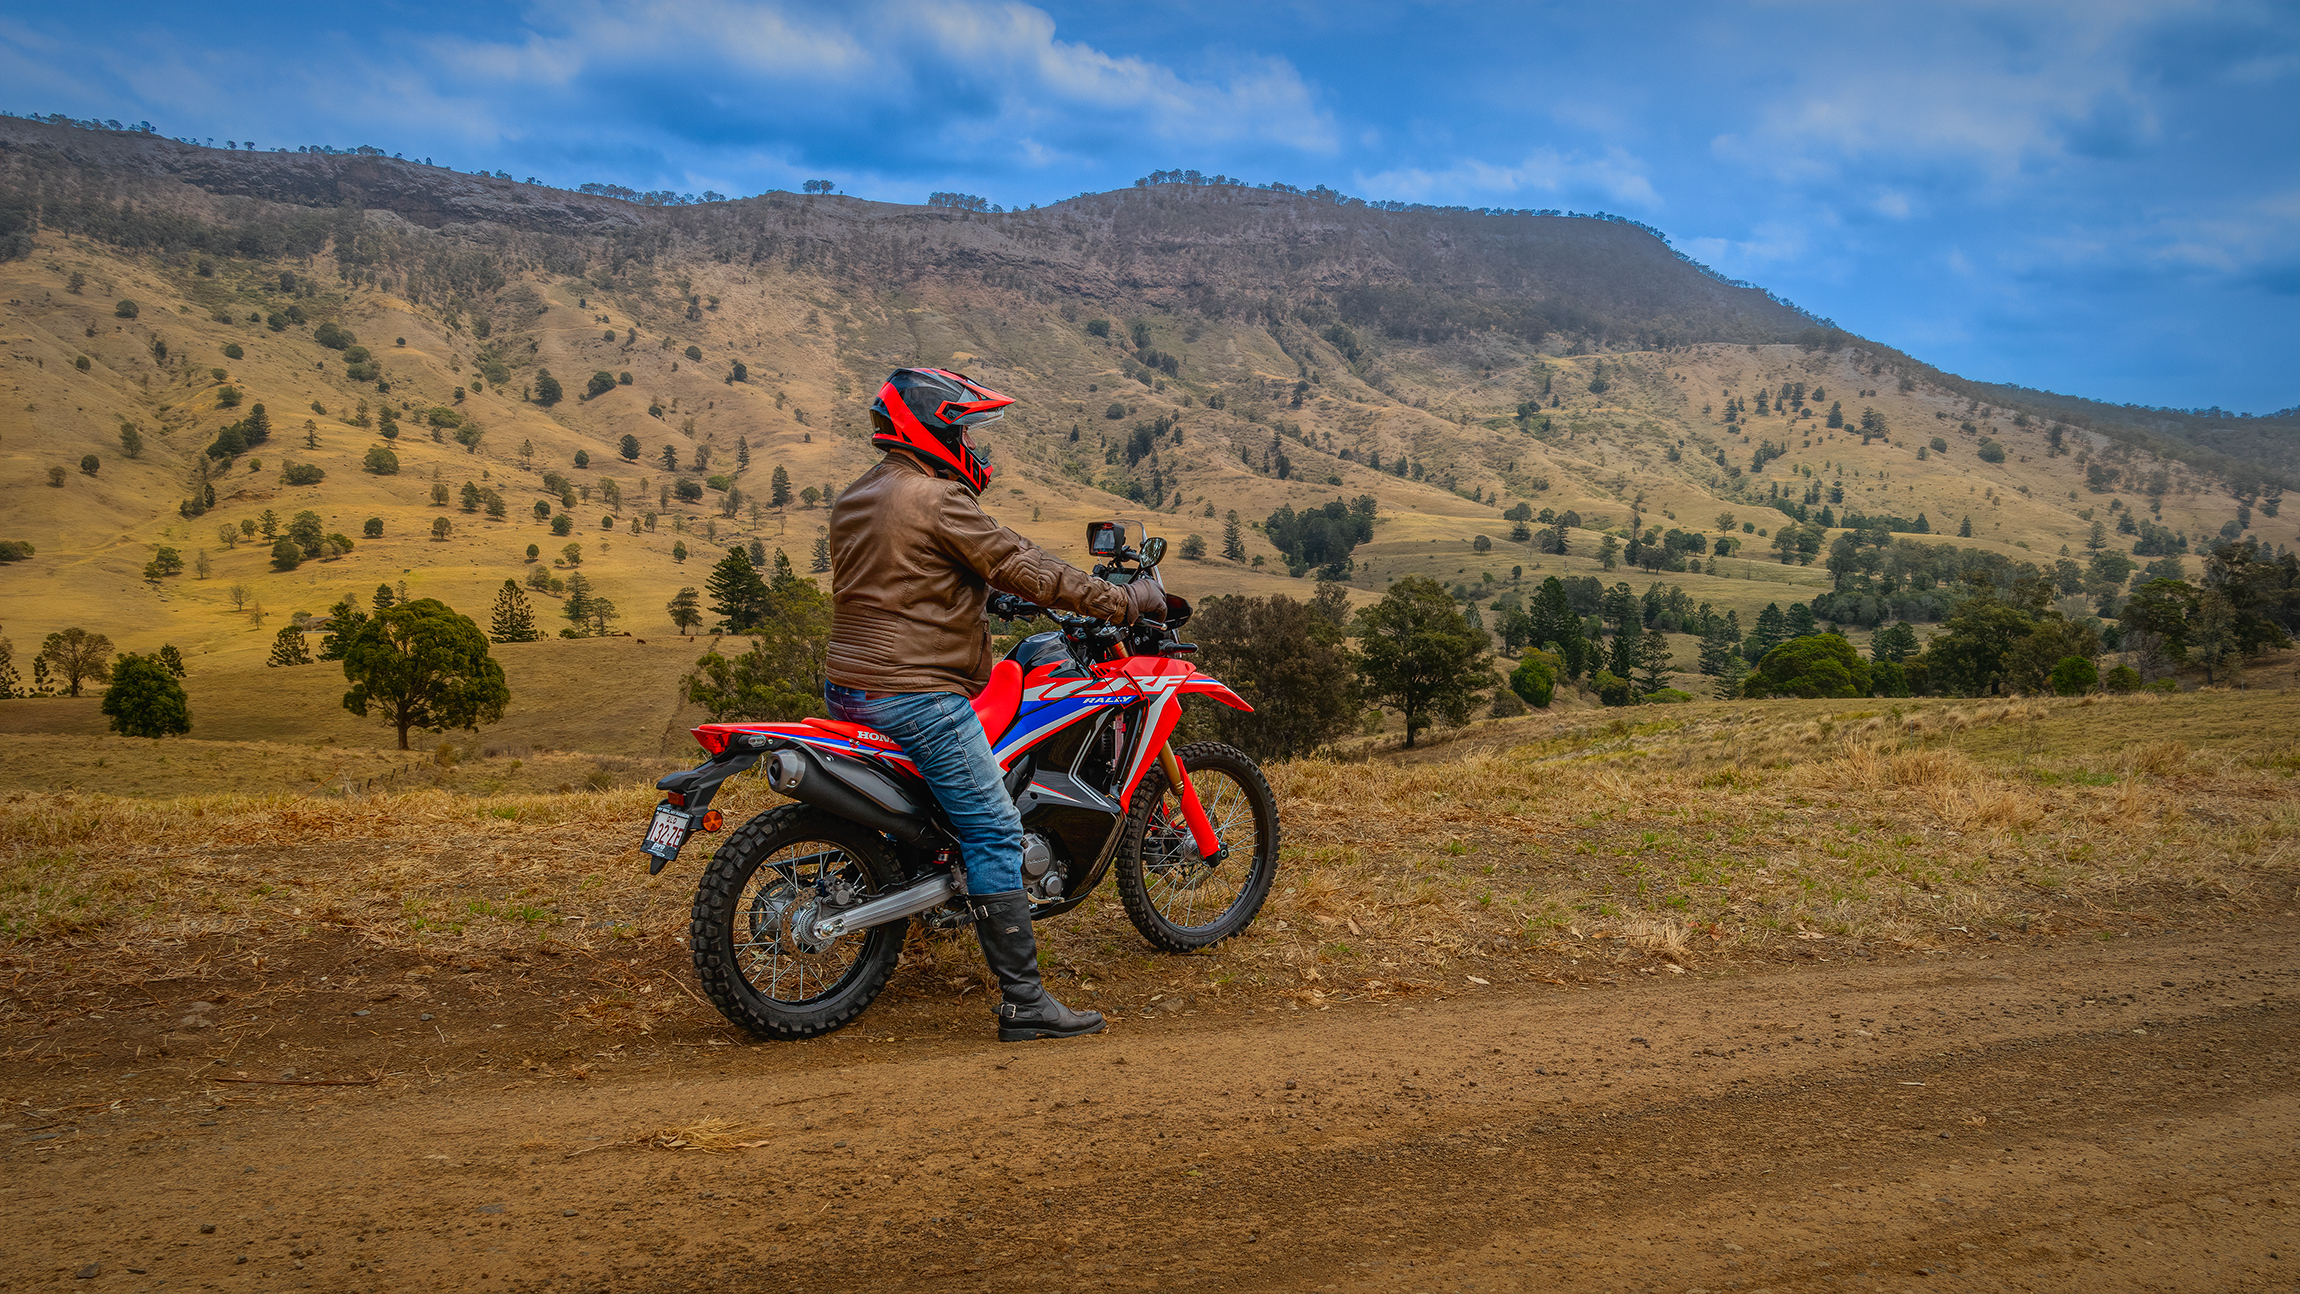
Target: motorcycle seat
999	701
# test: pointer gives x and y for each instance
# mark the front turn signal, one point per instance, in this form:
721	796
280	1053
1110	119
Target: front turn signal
712	821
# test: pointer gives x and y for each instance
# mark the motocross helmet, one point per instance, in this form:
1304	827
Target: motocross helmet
928	411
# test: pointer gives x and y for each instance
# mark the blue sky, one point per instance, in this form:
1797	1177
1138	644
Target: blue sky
2100	197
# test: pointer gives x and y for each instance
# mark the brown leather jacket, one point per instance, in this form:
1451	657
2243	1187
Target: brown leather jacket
913	559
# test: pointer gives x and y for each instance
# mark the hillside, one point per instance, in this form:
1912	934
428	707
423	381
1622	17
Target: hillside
1256	350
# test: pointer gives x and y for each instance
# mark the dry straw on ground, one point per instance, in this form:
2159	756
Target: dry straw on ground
1685	837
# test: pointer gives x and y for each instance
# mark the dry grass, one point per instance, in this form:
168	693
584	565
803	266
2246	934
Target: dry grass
1711	833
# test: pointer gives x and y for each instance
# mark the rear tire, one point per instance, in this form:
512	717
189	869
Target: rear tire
752	900
1178	901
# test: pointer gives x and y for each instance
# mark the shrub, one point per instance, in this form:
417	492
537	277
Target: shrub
2074	676
688	491
582	458
1667	696
1612	689
14	550
232	351
694	352
382	462
1534	681
1992	452
2123	680
562	524
228	397
1816	665
312	474
89	464
287	554
56	477
127	309
373	529
1115	411
601	383
333	336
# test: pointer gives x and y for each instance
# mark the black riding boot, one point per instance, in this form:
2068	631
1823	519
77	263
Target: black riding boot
1026	1012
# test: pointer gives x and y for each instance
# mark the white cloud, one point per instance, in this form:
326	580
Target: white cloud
1544	173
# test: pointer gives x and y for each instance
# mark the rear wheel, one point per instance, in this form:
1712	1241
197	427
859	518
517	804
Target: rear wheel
1179	900
754	909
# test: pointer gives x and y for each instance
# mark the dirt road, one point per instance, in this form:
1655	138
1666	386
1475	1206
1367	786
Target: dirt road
2105	1115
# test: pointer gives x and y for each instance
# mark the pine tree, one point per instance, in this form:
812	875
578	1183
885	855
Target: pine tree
384	598
343	623
514	620
1717	644
686	610
288	648
1772	630
172	660
738	596
577	608
628	447
1965	528
743	457
1233	538
779	488
822	553
1653	657
1623	663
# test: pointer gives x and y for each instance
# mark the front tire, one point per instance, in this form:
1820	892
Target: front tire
751	909
1178	900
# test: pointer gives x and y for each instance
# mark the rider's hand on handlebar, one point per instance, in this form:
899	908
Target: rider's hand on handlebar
1145	598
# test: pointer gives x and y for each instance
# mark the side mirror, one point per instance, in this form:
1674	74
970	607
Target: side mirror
1153	550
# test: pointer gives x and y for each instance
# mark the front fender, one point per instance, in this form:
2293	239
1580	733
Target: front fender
1208	685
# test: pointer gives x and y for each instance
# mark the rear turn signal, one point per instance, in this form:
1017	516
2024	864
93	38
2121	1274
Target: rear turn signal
712	821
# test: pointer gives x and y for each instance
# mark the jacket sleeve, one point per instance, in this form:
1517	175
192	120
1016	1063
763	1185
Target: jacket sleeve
1012	564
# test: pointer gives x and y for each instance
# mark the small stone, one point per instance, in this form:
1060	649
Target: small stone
207	1228
425	1016
567	1213
1290	1085
89	1272
359	1013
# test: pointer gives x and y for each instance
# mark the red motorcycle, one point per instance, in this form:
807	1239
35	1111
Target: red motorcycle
799	917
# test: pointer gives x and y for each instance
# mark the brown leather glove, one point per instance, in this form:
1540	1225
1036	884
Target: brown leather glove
1145	599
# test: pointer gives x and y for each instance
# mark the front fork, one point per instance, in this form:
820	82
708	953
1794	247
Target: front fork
1193	812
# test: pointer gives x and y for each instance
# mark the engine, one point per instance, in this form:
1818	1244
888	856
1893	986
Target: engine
1043	875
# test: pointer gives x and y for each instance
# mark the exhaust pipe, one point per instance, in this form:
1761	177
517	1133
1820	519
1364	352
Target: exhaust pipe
906	902
853	792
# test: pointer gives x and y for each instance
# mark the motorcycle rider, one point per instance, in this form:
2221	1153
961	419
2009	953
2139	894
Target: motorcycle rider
913	561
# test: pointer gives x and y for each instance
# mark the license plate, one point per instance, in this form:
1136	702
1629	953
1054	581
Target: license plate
666	832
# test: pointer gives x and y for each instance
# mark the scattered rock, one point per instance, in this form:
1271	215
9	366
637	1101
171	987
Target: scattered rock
89	1272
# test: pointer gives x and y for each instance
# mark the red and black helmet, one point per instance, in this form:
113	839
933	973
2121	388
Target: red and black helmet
928	411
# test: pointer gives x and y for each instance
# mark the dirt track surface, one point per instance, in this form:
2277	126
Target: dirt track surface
2117	1114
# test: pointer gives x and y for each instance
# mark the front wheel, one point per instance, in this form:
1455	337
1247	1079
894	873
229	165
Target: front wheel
1179	900
751	934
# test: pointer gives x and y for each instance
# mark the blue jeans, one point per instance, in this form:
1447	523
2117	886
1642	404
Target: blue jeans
940	733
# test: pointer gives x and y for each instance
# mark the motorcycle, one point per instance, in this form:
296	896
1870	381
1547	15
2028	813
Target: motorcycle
799	916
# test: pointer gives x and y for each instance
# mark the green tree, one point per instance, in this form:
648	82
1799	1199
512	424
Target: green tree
1419	657
778	488
89	464
1288	659
308	531
738	595
172	660
628	447
514	618
145	700
1968	657
1820	665
671	458
420	665
131	440
165	562
1653	657
80	656
343	622
287	554
781	677
382	461
1233	537
1895	642
686	609
547	391
577	606
288	647
601	383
